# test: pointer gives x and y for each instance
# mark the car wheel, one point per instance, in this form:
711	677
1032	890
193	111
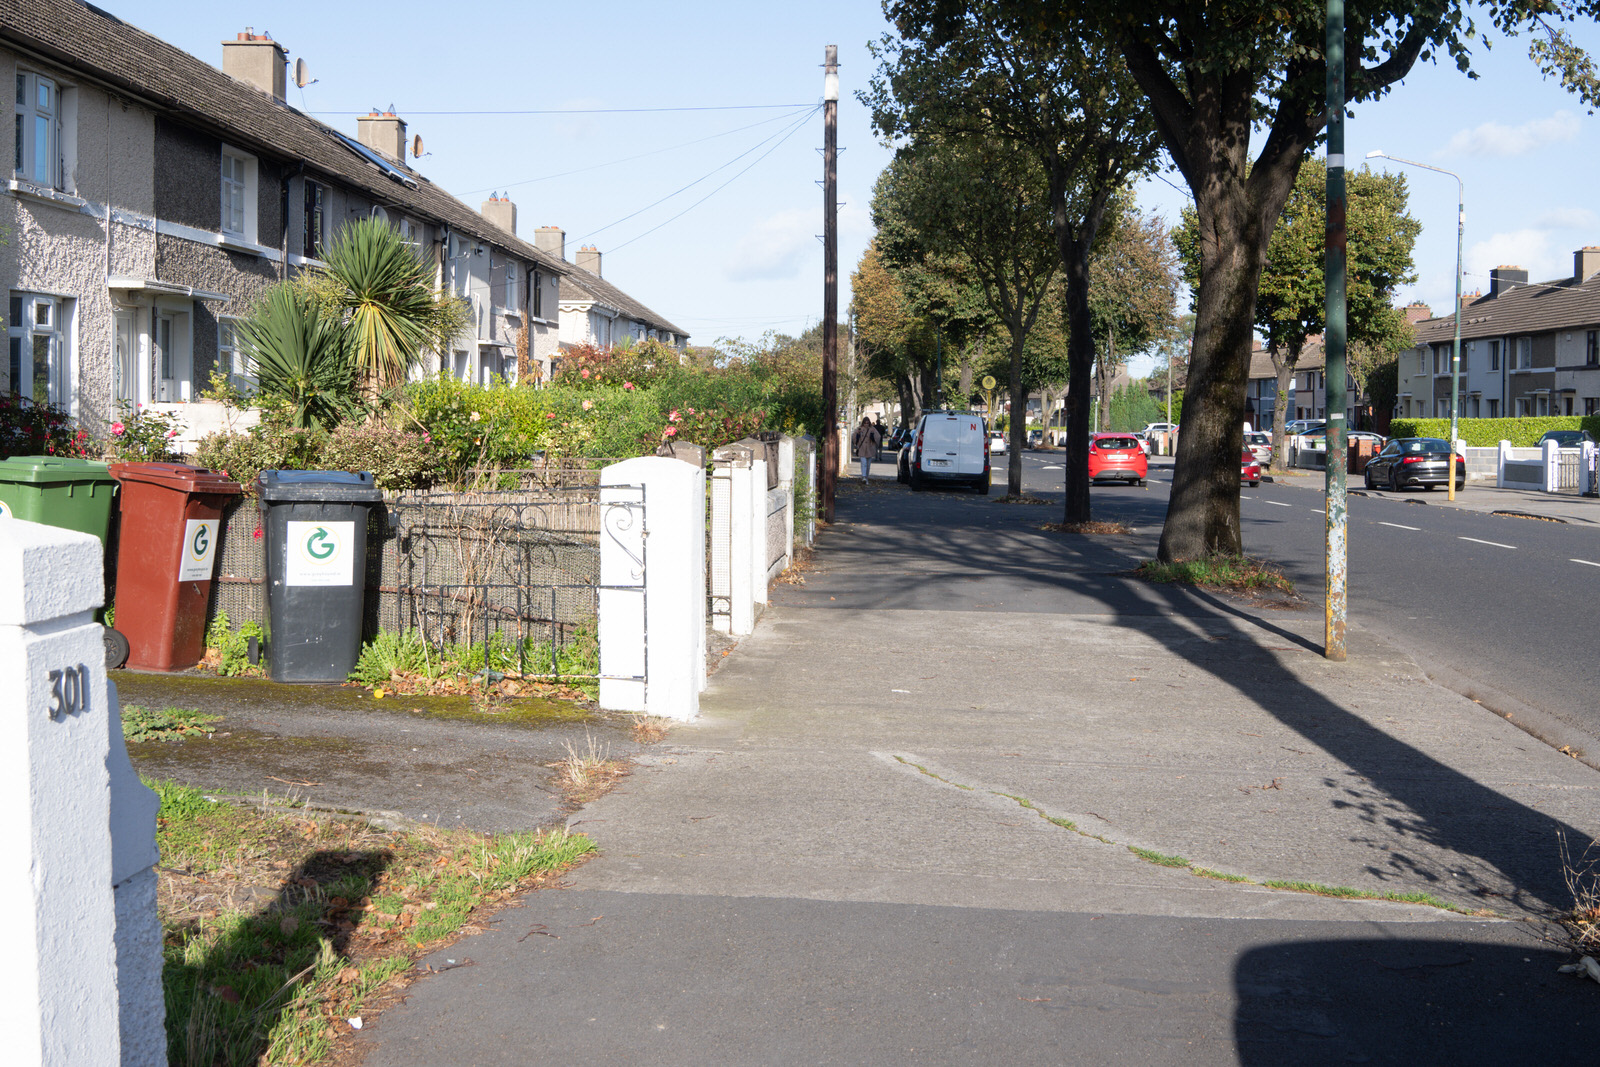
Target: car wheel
1461	484
981	486
1366	476
1139	483
917	484
1394	481
1254	484
900	474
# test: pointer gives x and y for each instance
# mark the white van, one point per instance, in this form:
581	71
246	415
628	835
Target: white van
949	446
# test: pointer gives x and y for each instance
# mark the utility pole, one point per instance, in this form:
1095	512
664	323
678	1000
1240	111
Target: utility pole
830	279
1334	350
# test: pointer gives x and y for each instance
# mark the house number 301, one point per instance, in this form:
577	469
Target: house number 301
69	691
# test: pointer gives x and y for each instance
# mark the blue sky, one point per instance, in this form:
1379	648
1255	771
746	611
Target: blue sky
748	258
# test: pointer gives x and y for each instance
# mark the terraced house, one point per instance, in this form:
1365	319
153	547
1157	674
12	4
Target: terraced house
1526	349
153	197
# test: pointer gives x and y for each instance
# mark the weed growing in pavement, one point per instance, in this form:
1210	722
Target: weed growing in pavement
408	661
1221	876
352	909
648	729
139	723
1239	573
587	773
1160	859
1582	876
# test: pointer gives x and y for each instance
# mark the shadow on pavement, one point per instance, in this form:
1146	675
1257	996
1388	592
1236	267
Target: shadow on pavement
952	543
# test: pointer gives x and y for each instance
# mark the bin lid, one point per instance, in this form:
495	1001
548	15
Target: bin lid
178	476
343	487
39	469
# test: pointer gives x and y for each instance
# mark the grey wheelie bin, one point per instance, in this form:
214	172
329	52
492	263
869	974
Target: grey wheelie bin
315	525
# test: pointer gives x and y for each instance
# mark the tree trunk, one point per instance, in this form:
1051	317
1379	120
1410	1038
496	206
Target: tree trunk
1284	366
968	361
1080	360
1203	513
1017	427
909	411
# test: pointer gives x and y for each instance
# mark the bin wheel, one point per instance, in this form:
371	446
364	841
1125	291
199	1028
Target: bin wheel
116	648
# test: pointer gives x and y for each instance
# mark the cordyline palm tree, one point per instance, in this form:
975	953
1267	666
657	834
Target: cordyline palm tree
388	300
301	355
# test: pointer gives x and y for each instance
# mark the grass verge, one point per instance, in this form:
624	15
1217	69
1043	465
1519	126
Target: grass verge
281	929
1238	573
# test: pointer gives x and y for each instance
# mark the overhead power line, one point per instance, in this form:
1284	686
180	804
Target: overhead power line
578	110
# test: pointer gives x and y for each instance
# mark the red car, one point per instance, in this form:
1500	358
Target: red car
1117	456
1249	469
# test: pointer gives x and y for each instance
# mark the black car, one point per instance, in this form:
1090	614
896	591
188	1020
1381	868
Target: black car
1414	461
1567	438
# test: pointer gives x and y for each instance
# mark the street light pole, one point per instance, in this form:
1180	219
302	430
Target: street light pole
1455	357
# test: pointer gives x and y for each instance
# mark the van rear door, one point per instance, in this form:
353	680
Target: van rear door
954	442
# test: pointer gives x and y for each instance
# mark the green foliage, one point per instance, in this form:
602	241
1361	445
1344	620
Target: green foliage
272	445
399	459
232	647
301	354
179	803
29	429
1133	408
1488	433
386	294
142	435
140	723
391	655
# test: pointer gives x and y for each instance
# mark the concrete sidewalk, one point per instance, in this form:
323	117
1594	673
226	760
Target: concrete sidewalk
926	775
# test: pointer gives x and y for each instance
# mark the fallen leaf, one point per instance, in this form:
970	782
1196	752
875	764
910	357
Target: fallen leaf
289	925
348	975
226	992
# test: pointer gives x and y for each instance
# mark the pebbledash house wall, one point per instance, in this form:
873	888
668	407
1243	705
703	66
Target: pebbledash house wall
59	246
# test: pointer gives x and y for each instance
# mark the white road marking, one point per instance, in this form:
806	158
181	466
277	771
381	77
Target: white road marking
1397	526
1586	563
1495	544
1053	467
1279	504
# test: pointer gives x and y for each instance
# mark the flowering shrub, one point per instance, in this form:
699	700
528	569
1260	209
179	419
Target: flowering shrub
636	366
398	458
273	445
29	429
141	435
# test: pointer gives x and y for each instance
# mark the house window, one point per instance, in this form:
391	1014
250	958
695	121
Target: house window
36	340
314	218
538	295
38	130
238	195
1591	405
1494	355
1524	353
238	366
1494	408
1591	348
512	303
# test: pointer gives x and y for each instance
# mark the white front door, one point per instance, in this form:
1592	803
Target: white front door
124	359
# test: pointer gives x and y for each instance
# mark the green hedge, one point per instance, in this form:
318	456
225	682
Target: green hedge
1487	433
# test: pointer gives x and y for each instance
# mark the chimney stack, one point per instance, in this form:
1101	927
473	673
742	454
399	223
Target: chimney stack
257	60
551	240
1504	277
385	133
1585	263
501	212
589	260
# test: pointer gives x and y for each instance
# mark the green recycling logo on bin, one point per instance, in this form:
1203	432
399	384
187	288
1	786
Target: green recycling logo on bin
198	558
319	553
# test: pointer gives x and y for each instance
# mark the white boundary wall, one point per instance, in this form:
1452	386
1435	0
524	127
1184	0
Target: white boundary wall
81	938
658	633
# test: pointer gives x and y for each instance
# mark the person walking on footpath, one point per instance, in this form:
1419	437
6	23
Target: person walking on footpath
864	446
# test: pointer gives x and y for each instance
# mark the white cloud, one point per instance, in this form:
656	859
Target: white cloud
776	247
1567	218
1530	249
1495	139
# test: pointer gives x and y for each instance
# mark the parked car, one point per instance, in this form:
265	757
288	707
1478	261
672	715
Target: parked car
1153	428
1250	468
1259	445
1117	456
1299	427
1035	438
997	442
1567	438
947	447
1414	461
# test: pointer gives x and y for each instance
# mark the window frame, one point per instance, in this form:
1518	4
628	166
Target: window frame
241	373
314	224
243	182
24	331
28	116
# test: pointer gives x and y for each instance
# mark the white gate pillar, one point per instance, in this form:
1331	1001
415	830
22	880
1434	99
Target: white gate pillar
72	935
1550	452
652	587
786	483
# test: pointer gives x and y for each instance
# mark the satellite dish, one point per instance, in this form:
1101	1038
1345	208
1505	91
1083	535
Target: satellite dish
379	213
302	74
416	146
